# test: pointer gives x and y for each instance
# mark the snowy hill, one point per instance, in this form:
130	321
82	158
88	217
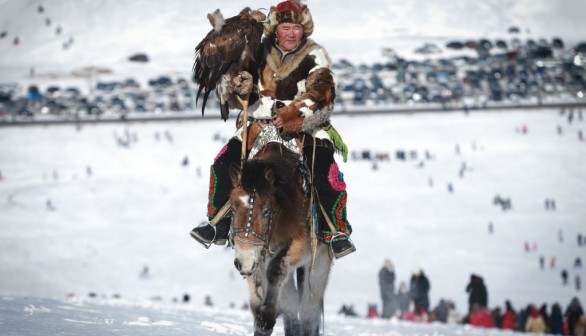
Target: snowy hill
114	210
104	34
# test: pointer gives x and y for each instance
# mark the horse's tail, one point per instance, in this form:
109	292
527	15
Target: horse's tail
323	318
300	280
313	230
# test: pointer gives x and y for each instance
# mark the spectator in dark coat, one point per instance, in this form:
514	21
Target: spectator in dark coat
522	318
497	317
476	292
441	311
403	298
386	281
573	313
347	310
419	290
557	320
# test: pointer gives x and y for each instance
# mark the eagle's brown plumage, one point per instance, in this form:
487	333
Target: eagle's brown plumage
233	45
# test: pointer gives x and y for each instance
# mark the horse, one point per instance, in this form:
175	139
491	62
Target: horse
286	274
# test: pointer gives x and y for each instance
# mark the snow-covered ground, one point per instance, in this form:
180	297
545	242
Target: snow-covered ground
139	203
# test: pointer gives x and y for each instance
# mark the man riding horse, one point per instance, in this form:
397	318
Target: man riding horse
295	91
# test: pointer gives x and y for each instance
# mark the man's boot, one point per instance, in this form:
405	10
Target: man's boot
207	234
342	247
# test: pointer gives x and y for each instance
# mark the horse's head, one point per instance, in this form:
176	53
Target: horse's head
253	209
266	197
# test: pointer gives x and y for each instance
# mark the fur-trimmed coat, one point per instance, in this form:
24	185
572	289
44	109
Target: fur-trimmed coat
298	86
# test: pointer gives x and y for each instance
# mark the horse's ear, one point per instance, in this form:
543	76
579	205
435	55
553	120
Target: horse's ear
270	175
235	174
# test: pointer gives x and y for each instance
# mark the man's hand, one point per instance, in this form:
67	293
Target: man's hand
241	84
277	121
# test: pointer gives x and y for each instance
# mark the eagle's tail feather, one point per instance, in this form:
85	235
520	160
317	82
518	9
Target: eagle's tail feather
217	20
224	110
205	99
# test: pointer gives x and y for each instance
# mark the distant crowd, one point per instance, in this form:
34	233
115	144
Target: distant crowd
411	303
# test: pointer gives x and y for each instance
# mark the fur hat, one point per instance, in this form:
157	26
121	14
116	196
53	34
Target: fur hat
289	11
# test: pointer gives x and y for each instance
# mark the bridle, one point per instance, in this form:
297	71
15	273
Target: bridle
263	238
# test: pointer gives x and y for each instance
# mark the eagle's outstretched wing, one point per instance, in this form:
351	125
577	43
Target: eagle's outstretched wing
233	45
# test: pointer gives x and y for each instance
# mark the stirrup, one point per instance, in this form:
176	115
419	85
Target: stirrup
347	251
212	241
207	246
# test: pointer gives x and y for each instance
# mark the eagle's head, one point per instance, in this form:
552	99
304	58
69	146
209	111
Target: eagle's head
258	16
248	14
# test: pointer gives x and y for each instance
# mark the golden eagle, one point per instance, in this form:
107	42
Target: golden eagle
232	46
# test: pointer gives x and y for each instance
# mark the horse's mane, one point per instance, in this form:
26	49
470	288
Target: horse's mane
285	168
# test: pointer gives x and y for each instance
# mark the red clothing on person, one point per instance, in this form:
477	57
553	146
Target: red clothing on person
372	312
481	319
509	321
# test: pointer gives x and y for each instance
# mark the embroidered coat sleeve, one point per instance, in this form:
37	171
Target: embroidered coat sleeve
313	105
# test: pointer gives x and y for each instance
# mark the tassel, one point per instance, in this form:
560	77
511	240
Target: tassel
339	144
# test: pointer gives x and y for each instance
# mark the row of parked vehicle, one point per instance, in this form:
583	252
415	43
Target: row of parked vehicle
496	74
161	94
535	71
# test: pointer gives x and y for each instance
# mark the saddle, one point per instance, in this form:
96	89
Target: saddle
268	133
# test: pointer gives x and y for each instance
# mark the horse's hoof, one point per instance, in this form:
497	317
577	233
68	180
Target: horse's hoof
263	332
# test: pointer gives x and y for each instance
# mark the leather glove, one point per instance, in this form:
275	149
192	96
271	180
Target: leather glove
241	84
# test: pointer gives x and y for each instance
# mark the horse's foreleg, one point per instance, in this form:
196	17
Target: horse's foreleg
268	312
256	294
312	290
289	306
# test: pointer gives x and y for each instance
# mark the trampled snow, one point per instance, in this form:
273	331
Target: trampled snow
80	260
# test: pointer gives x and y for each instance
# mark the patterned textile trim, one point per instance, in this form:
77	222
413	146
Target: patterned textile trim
212	210
338	214
222	151
336	178
325	237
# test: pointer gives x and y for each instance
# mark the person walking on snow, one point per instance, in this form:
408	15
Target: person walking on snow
419	290
476	292
386	280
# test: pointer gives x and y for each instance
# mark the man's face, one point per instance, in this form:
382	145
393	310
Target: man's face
289	35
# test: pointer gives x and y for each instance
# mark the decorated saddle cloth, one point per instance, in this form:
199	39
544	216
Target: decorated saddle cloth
270	134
